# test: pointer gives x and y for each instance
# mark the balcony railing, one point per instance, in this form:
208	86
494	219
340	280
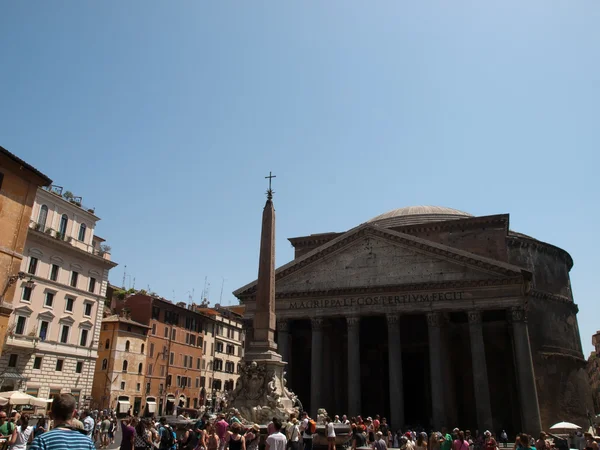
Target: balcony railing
56	234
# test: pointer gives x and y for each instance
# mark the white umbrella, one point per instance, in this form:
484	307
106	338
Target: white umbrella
21	398
566	426
3	401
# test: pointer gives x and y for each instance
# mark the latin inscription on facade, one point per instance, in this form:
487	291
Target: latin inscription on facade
381	300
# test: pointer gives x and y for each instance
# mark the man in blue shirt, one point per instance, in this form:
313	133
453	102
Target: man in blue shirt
63	436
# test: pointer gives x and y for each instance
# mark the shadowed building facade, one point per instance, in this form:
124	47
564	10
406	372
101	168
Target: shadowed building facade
430	316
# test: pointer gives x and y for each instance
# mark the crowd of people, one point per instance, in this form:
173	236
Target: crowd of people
90	430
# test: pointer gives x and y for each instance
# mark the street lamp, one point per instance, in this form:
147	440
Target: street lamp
13	279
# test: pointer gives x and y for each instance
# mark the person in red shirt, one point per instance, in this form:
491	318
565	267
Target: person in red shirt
221	429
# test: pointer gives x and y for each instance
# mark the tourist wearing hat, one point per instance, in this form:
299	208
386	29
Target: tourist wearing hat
252	437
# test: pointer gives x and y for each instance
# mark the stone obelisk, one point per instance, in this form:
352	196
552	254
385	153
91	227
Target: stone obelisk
263	346
261	392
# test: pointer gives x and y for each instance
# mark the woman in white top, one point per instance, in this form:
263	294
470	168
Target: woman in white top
21	434
330	434
293	434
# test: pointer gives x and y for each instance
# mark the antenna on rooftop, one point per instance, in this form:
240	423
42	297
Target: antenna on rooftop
221	296
124	275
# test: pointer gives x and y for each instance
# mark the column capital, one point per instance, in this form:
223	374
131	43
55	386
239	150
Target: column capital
518	314
434	319
283	325
393	319
317	323
474	316
353	321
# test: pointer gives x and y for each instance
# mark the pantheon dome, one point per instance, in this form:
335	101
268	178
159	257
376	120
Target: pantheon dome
411	215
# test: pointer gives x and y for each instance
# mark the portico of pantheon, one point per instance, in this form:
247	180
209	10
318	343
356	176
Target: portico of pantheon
431	316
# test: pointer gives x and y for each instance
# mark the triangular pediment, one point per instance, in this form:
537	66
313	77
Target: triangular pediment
371	256
24	310
67	319
46	315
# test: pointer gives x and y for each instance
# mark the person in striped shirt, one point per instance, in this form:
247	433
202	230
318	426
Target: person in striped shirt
64	436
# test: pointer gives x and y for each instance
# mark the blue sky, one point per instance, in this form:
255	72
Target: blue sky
166	116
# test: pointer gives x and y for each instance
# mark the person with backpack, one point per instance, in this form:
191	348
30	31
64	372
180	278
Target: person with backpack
167	435
308	428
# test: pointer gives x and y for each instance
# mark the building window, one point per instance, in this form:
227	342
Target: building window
69	304
49	301
185	361
197	382
59	365
140	367
203	364
178	379
149	369
202	381
172	358
20	326
104	364
82	229
74	277
155	312
138	386
79	367
166	332
26	294
125	364
42	217
54	272
200	342
142	349
147	388
173	334
154	329
122	385
92	285
37	362
127	346
162	371
12	360
64	334
32	265
87	310
151	350
198	362
44	329
217	385
62	229
219	347
218	365
83	339
230	350
107	344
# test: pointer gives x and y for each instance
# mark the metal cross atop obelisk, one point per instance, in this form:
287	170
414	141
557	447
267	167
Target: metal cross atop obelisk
270	191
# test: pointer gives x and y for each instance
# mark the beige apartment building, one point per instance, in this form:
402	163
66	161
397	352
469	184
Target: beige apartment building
121	364
52	336
223	351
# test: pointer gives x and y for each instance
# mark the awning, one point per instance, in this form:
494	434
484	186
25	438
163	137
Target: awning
172	400
151	407
123	406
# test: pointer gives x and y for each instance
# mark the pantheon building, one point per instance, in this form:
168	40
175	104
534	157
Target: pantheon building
431	316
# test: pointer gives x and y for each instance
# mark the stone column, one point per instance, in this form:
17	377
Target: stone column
395	372
354	389
530	410
483	405
434	324
316	365
283	339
